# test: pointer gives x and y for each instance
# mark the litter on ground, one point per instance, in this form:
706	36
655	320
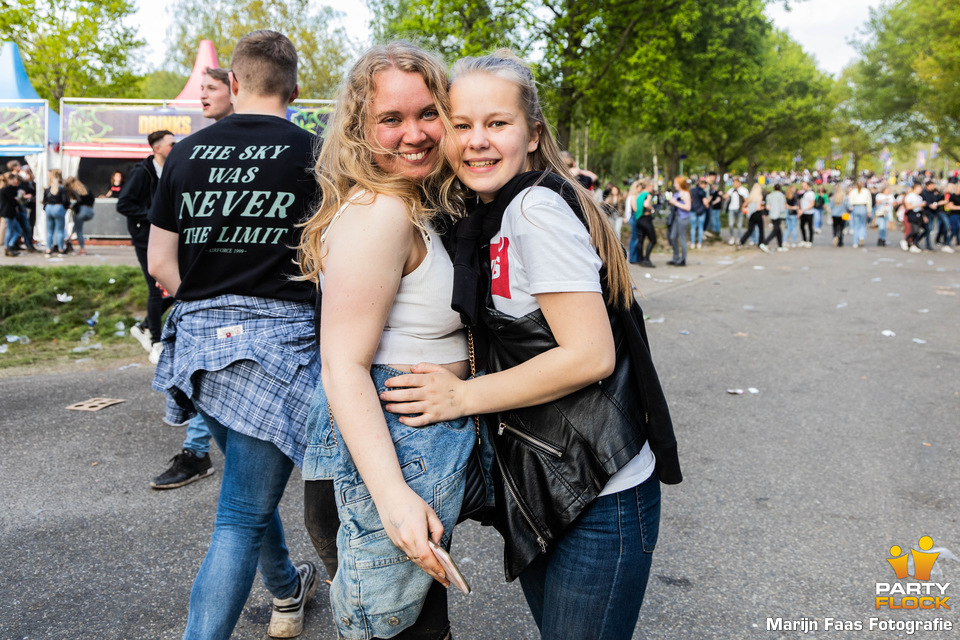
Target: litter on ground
63	297
919	341
888	333
94	404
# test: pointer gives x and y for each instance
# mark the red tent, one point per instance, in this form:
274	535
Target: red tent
206	57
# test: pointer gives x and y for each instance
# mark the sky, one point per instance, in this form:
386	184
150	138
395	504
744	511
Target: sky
822	27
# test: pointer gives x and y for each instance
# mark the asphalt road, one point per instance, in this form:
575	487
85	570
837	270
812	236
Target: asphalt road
792	499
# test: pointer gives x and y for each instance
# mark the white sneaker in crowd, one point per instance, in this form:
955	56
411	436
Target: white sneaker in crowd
915	249
764	248
904	245
946	249
142	335
155	350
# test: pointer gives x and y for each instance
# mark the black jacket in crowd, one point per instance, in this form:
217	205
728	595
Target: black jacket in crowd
135	200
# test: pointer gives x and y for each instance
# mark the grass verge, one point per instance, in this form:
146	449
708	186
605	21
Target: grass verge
67	333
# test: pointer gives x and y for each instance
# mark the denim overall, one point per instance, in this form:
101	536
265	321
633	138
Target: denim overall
377	591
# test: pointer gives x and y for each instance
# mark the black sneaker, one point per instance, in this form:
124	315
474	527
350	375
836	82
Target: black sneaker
186	467
286	620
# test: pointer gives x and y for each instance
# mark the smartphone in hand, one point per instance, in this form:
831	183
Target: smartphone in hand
450	567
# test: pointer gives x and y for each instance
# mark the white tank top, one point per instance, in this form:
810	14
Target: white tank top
421	326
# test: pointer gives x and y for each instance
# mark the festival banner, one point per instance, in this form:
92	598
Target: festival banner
110	130
22	127
119	129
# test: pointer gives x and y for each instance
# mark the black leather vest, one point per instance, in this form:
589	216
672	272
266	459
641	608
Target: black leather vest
554	459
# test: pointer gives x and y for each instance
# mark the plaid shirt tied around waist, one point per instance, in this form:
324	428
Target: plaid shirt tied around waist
250	363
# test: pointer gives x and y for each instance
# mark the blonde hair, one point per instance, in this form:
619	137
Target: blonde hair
74	186
790	191
347	159
839	194
756	194
547	156
57	180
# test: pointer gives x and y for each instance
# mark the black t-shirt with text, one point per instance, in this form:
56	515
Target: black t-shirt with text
235	193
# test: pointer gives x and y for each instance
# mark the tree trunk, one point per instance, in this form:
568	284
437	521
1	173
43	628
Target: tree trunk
565	117
751	170
721	171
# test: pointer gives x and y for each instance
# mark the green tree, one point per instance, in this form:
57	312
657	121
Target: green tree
908	74
727	87
452	29
322	49
78	48
162	84
580	48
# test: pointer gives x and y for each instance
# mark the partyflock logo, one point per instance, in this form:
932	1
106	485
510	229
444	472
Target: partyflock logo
913	595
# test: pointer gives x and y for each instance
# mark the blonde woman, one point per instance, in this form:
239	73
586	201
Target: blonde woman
387	283
82	207
860	202
754	210
839	212
55	203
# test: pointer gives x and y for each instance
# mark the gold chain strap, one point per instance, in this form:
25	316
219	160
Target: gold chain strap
473	374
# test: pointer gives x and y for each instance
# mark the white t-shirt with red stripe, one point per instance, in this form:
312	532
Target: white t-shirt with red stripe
542	247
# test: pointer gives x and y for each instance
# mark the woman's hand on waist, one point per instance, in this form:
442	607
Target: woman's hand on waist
410	523
430	390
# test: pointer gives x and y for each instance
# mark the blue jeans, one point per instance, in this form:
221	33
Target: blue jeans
56	221
247	534
198	436
83	214
817	218
943	227
12	233
591	583
954	229
713	221
858	223
792	224
635	237
696	227
882	228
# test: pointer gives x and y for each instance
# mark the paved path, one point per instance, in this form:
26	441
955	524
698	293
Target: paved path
792	499
97	254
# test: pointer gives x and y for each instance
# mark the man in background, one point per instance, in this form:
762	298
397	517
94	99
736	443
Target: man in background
193	461
134	203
